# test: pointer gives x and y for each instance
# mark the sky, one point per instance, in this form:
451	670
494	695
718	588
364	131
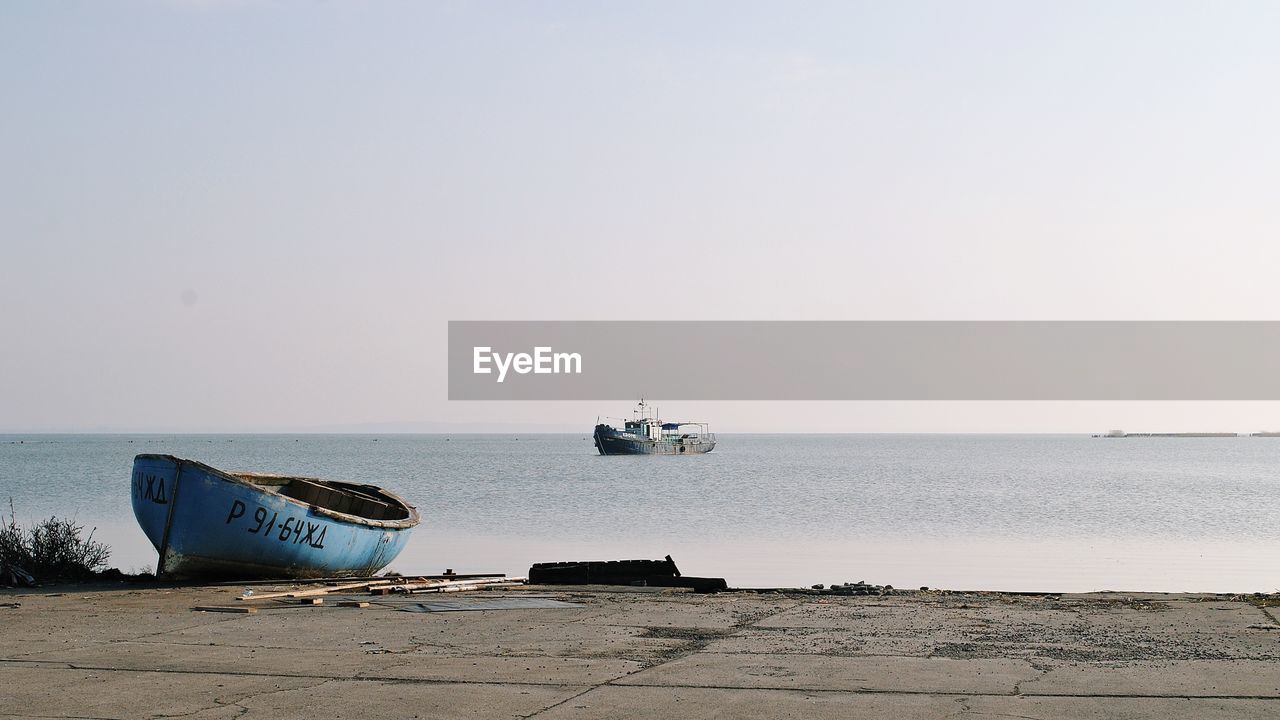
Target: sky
230	215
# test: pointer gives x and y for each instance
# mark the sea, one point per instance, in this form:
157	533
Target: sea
1034	513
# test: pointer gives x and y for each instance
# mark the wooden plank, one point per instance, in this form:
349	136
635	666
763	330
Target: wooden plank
407	583
311	601
348	578
332	589
307	593
353	603
460	585
226	609
463	588
375	586
406	587
267	596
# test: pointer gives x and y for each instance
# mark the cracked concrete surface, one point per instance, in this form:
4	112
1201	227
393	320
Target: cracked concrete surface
125	652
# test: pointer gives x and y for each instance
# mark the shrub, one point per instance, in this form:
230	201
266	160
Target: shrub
52	548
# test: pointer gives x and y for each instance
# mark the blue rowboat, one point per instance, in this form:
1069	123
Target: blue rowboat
206	522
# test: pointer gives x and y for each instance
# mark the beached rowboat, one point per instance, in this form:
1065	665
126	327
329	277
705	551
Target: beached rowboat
206	522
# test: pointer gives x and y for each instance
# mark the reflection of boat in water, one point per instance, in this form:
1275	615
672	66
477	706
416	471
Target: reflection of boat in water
645	434
204	521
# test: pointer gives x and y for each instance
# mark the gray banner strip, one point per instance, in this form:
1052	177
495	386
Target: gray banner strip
933	360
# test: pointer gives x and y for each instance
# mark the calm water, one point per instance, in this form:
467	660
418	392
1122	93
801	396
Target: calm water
1061	513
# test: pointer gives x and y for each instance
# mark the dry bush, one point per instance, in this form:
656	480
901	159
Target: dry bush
52	548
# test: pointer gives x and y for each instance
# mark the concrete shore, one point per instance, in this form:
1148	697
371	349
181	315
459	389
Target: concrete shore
129	652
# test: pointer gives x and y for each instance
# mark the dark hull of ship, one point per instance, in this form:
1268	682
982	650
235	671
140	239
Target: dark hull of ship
610	442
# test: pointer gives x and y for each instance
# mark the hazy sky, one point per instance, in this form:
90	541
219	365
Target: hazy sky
251	215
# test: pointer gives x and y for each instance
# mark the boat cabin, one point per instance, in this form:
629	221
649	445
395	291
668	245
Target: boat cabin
646	425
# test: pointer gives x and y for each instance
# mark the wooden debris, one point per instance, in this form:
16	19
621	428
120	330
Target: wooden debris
461	585
407	587
433	585
348	579
379	586
354	603
226	609
311	601
308	592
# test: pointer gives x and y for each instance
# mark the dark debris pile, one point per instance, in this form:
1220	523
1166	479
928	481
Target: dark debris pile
859	588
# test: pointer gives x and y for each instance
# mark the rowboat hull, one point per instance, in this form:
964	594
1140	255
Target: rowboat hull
206	522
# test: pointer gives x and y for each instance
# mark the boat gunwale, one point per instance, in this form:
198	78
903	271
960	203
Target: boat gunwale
241	479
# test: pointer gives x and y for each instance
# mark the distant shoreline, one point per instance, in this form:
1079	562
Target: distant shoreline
1121	434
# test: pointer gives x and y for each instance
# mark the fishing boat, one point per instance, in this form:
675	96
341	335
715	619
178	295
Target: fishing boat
645	434
207	522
